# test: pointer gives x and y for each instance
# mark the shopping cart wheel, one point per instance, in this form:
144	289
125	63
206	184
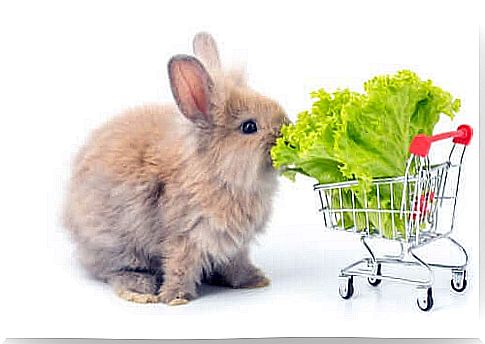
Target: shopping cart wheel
458	281
425	301
375	281
346	287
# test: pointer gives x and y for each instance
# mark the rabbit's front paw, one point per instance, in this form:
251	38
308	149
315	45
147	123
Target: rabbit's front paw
249	277
175	297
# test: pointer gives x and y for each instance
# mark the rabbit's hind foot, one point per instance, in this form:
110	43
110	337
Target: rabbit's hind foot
135	286
134	296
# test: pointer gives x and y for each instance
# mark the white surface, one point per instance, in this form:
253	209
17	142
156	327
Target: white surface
66	67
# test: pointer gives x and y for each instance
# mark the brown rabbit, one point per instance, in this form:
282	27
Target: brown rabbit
161	200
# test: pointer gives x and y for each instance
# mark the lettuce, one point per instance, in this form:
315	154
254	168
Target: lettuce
352	136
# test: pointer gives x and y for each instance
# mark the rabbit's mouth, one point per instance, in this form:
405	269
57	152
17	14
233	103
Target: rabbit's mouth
268	161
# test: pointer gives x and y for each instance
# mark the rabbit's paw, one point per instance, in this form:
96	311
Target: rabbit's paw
244	278
174	297
137	297
256	281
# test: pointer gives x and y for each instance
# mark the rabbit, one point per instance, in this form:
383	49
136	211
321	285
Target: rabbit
165	197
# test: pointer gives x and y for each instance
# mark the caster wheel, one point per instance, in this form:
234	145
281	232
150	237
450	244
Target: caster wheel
458	281
346	288
425	301
375	281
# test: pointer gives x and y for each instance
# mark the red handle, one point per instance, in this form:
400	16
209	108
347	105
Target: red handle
421	143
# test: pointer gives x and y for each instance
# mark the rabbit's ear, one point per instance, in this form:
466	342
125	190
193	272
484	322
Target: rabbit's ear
192	87
205	48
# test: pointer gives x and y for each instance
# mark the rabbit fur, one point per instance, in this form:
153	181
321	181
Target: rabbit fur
164	197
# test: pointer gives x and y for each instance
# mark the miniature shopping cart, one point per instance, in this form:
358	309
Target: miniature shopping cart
412	211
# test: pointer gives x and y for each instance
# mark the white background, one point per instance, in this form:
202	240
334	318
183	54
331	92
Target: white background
65	67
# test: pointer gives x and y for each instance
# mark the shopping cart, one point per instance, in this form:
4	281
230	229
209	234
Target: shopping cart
411	211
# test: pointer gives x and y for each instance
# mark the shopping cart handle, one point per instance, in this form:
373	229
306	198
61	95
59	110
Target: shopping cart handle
421	143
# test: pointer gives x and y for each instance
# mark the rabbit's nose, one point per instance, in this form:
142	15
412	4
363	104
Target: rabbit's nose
285	120
274	135
277	128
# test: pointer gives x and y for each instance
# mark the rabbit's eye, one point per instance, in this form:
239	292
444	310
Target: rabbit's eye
249	127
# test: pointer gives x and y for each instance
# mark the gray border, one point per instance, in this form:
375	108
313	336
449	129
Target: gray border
248	340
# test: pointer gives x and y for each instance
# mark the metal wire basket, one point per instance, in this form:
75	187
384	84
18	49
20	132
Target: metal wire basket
414	210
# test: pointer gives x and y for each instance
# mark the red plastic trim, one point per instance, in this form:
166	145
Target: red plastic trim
421	143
